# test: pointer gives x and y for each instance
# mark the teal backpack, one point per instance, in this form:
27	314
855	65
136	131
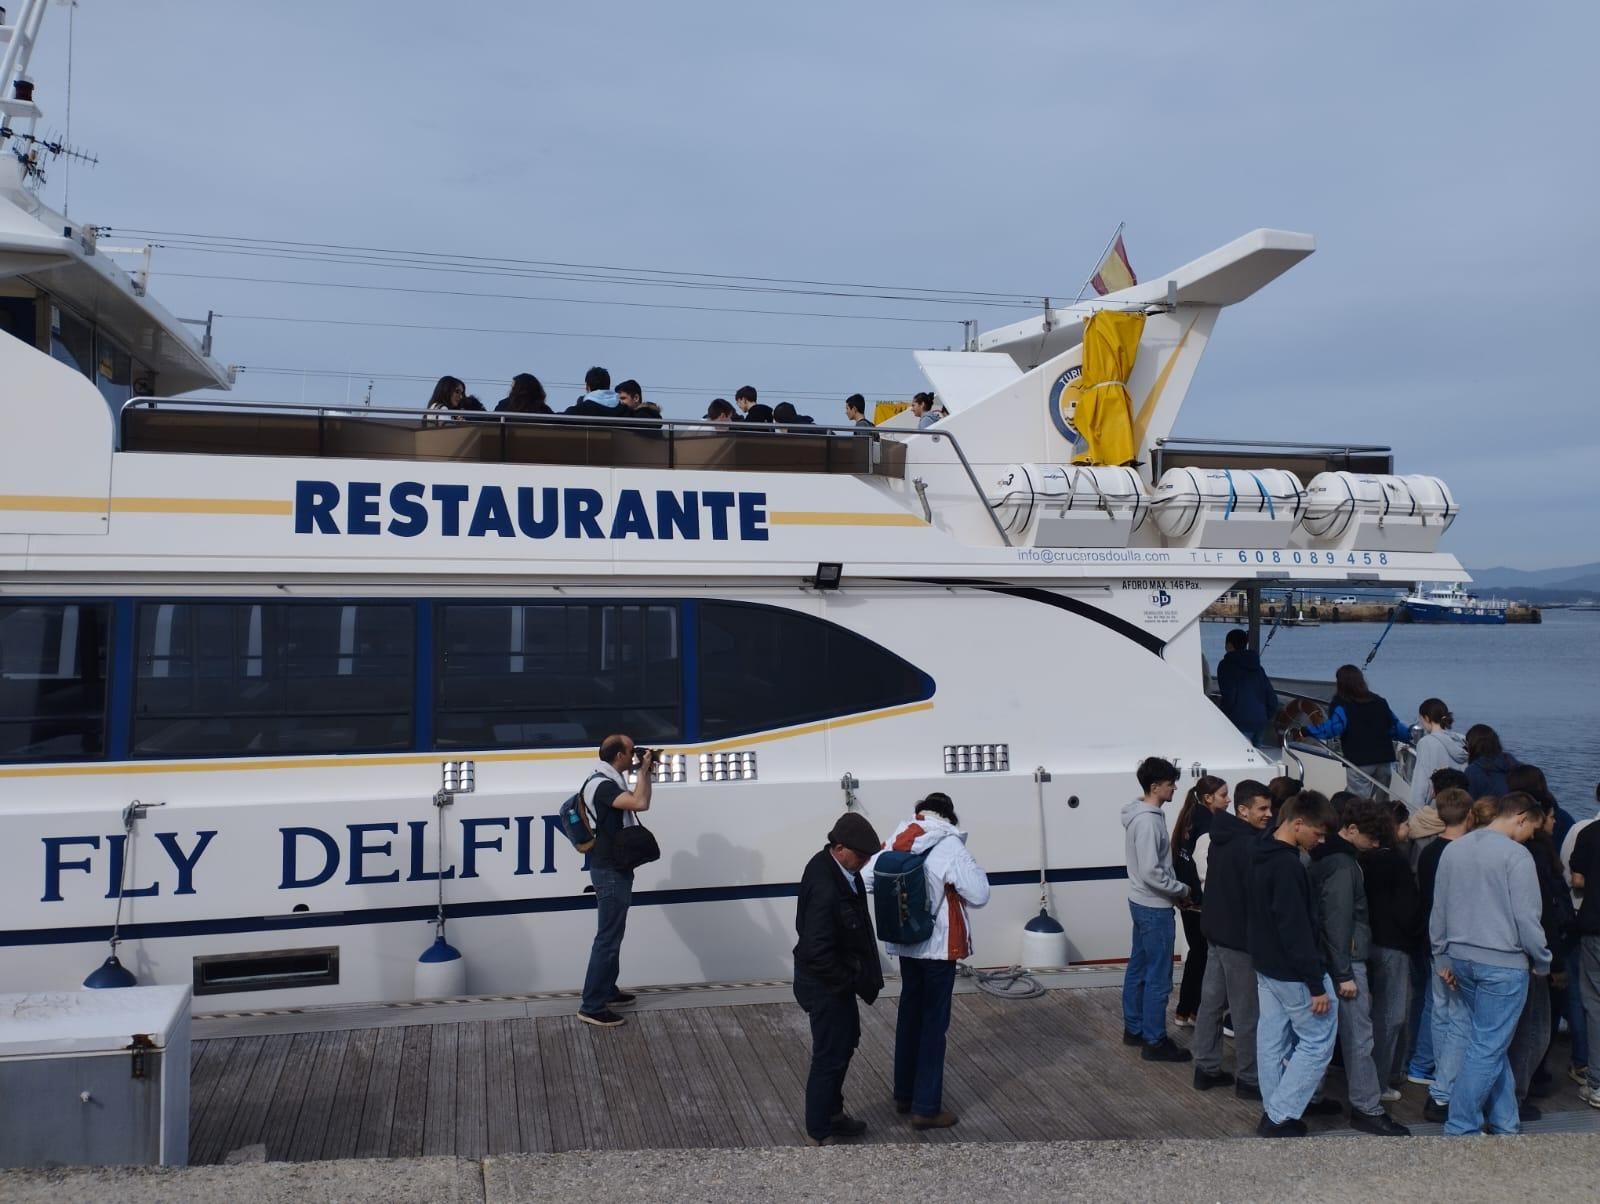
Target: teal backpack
901	907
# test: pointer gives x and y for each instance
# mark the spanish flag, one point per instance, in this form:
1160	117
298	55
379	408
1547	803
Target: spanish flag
1115	272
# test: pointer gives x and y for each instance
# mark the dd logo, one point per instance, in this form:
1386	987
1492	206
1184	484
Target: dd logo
1161	598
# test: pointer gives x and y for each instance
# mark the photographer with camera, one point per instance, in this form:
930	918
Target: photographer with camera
611	865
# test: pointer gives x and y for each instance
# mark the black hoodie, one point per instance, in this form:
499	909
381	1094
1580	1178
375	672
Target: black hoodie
1226	904
1394	904
1282	921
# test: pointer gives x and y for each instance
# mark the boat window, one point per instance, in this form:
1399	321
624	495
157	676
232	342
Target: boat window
52	681
263	679
553	674
762	667
71	339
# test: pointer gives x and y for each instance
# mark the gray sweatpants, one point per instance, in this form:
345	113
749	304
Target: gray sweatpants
1589	984
1389	971
1355	1043
1229	985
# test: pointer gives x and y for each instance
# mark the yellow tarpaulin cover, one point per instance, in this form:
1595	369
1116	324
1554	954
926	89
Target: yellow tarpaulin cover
1104	411
885	410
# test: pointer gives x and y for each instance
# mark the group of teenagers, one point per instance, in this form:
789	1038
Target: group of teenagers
1432	941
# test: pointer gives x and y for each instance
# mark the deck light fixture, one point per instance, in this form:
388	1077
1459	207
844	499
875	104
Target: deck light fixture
828	576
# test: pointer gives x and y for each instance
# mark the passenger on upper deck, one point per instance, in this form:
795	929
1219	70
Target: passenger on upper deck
759	413
448	394
527	396
630	396
855	410
745	398
599	401
922	405
720	411
784	412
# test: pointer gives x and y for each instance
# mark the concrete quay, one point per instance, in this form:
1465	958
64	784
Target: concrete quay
1334	1169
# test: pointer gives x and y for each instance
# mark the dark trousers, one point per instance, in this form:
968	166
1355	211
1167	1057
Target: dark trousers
613	893
919	1033
1194	965
835	1033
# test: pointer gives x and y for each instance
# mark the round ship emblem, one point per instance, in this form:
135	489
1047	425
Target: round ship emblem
1063	407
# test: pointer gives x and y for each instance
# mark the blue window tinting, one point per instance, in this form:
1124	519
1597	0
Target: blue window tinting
762	668
261	678
52	680
556	674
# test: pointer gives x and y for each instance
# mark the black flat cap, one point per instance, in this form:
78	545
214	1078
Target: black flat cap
856	834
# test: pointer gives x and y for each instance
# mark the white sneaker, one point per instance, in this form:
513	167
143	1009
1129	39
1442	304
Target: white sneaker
1183	1021
1419	1079
1590	1095
1227	1032
1388	1095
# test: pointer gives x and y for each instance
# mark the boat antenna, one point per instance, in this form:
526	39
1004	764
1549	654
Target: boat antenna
1393	612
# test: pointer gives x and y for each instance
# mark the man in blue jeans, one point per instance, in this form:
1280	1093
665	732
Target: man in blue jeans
614	806
1299	1012
1152	890
1487	937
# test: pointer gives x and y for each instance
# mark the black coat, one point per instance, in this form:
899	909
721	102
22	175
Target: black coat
1394	903
1283	922
1226	907
836	953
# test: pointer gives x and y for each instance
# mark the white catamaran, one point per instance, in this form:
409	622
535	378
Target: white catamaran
279	682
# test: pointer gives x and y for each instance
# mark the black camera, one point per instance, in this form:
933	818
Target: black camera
639	754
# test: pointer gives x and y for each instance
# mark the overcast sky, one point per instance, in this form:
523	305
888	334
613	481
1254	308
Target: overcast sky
1444	156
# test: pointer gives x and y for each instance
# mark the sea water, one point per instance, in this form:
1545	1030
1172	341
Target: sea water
1537	684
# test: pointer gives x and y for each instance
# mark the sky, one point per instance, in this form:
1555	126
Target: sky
1443	155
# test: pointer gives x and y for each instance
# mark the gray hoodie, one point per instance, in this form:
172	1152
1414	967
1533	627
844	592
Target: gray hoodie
1486	904
1151	882
1441	749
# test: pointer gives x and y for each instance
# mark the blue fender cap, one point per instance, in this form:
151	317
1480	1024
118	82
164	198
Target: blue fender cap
109	974
1043	922
440	951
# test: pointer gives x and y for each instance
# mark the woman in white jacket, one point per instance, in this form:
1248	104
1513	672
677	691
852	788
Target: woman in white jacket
1439	748
955	882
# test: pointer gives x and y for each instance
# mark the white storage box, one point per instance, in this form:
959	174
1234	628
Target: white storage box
1070	505
1228	507
95	1078
1379	513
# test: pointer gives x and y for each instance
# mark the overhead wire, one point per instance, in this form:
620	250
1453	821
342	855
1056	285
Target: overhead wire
1012	298
562	334
437	292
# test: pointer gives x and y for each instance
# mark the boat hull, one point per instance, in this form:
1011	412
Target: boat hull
1422	612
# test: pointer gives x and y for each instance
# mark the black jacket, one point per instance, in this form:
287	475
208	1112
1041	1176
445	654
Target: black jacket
1556	916
1394	904
1245	691
1282	917
1341	895
1226	905
1368	736
836	953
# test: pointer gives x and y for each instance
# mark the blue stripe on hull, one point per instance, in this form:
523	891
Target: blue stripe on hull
456	911
1432	614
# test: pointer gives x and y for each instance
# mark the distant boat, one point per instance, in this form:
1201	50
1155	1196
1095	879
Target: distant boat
1452	604
1588	604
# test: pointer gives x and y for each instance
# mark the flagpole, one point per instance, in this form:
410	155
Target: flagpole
1095	271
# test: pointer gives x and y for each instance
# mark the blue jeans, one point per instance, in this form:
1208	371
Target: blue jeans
919	1033
1148	980
1577	1017
1484	1091
613	893
1293	1045
1422	1048
1448	1012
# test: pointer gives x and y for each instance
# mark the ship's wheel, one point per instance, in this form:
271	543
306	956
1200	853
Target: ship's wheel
1296	708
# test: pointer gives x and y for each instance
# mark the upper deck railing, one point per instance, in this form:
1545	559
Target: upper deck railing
1305	460
224	428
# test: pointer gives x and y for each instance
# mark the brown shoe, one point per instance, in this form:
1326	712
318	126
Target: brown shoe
939	1120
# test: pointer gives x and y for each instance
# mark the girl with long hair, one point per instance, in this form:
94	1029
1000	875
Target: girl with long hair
1366	728
1206	796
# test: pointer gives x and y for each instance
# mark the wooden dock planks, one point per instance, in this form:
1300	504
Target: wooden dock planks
1052	1068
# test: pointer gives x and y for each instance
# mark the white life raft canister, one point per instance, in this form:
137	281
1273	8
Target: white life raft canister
1378	512
1070	505
1228	507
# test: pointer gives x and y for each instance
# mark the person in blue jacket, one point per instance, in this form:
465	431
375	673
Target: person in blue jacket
1367	729
1244	689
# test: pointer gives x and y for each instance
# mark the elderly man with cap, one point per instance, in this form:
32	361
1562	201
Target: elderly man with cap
835	960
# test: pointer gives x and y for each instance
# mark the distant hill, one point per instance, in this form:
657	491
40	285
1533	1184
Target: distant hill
1576	578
